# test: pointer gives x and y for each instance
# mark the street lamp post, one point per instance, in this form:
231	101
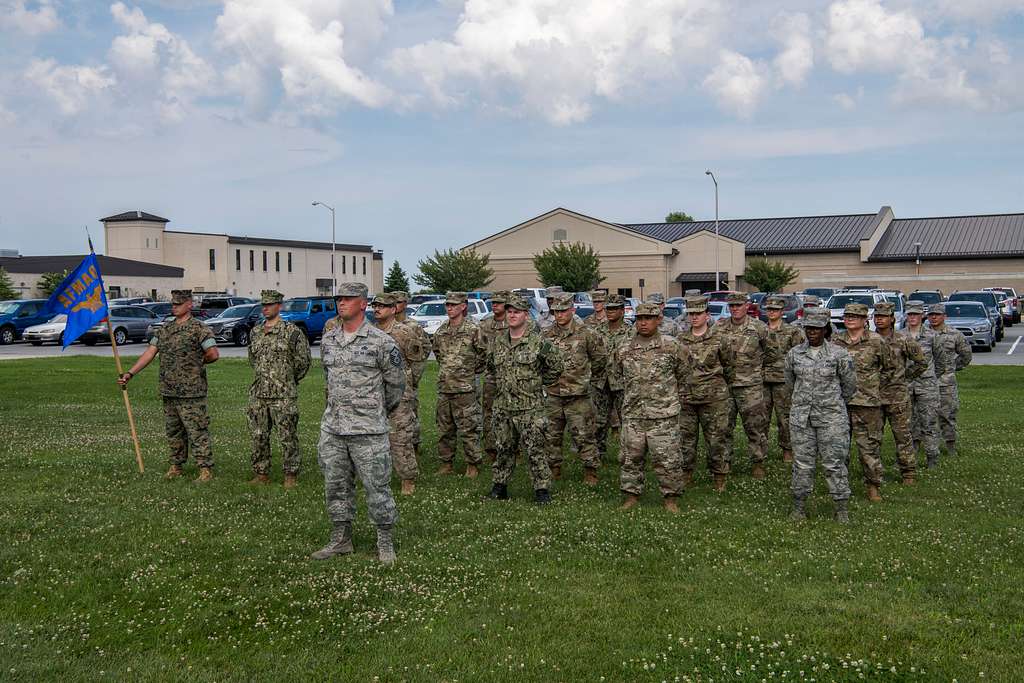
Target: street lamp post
917	246
334	278
718	245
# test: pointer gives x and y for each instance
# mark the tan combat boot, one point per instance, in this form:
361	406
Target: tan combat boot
472	472
719	483
174	472
556	472
291	481
630	502
408	487
908	479
259	479
787	456
446	468
757	472
687	479
205	475
671	505
873	495
590	476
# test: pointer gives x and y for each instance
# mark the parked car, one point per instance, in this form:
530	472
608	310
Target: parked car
234	325
927	296
129	301
973	320
989	300
1015	303
793	310
50	331
754	307
480	295
160	308
837	302
823	293
718	311
584	311
18	315
417	299
1004	307
431	314
157	324
214	306
130	323
309	313
674	311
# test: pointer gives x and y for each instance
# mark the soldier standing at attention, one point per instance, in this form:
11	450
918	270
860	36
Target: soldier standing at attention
952	355
870	360
401	303
906	363
585	359
547	318
600	394
653	368
279	356
365	380
461	354
924	390
185	346
823	381
781	338
615	332
522	362
745	340
704	395
402	316
403	425
599	297
491	328
667	327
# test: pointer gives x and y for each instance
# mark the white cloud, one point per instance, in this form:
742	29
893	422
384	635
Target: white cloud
979	10
796	59
17	15
737	82
70	86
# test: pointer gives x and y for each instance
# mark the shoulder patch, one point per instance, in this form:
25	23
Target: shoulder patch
395	357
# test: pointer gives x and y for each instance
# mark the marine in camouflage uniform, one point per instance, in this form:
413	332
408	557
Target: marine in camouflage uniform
781	338
489	329
461	354
704	395
871	361
365	378
823	381
521	365
585	359
745	339
653	368
953	354
279	356
924	390
403	425
906	363
615	332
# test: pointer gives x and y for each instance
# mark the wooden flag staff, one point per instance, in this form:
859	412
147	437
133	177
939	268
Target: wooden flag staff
124	393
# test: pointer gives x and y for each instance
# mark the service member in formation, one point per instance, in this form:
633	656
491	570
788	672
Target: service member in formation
653	368
185	346
489	329
745	339
906	363
365	379
401	304
522	362
667	327
279	356
403	425
704	394
871	361
953	354
924	390
823	381
615	331
461	354
781	338
547	318
402	316
585	362
599	297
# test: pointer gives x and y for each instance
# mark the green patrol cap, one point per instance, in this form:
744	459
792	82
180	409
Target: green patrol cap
915	306
351	289
648	309
696	304
775	302
181	296
655	298
552	292
615	301
736	298
885	308
599	296
386	299
816	317
517	302
562	303
455	298
500	297
271	296
401	297
937	308
856	309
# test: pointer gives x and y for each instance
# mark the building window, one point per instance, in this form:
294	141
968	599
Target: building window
213	259
238	259
560	235
252	260
289	261
264	260
343	266
364	265
353	265
156	241
147	243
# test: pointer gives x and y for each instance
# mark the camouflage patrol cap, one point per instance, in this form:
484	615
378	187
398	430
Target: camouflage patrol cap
654	298
351	289
937	308
500	297
696	304
271	296
615	301
915	306
856	309
563	303
775	302
180	296
455	298
401	297
599	296
816	317
736	298
648	309
517	302
885	308
386	299
552	292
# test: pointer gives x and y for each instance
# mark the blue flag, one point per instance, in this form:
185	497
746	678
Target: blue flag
81	297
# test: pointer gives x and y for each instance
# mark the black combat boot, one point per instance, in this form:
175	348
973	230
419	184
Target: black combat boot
498	492
541	497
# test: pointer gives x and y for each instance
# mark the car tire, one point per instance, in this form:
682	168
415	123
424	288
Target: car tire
242	338
89	341
986	348
60	339
120	336
36	343
7	335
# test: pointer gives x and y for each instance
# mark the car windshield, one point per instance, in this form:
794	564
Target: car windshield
818	291
927	297
841	300
898	300
987	298
716	309
965	311
8	307
1001	296
435	308
295	306
59	318
756	297
673	312
236	311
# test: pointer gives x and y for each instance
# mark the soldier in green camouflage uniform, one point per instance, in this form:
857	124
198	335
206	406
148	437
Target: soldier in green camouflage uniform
365	378
823	381
704	395
653	368
781	338
401	304
616	331
924	390
599	297
745	339
600	393
546	318
402	316
906	363
569	405
871	361
522	362
185	346
461	354
489	329
667	327
279	356
403	425
953	355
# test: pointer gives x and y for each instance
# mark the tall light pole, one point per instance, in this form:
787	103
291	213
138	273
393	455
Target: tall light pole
917	246
717	242
334	278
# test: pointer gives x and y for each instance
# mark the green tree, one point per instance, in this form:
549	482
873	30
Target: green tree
49	281
459	271
397	280
7	290
576	267
679	217
769	276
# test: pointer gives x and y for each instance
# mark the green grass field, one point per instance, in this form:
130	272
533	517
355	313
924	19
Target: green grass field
109	575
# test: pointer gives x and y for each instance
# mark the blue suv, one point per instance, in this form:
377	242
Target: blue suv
309	313
16	315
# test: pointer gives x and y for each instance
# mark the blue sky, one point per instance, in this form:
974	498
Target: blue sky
431	124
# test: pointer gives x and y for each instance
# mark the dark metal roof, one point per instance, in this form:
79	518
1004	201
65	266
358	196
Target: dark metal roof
992	236
774	235
295	244
109	265
133	216
700	277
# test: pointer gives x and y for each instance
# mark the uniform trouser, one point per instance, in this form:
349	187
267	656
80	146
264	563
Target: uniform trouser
602	400
490	389
826	442
713	420
187	425
898	416
576	413
341	459
458	418
521	431
866	426
949	406
281	414
660	436
777	397
749	404
925	419
403	429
